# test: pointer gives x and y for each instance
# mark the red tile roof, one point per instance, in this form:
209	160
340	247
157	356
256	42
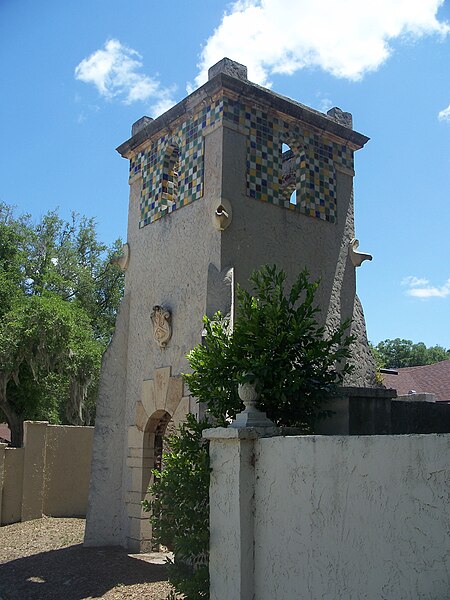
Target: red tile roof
426	379
5	433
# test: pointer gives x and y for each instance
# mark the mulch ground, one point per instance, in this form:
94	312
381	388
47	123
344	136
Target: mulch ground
44	559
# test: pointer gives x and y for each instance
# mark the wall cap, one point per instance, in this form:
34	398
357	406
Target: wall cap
252	93
243	433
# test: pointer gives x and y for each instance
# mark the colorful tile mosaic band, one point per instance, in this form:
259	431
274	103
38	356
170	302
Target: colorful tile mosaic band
172	168
316	159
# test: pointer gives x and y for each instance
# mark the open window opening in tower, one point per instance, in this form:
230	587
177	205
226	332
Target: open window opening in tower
170	177
289	173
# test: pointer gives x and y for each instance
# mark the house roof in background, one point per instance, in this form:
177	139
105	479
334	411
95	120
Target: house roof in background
427	379
5	433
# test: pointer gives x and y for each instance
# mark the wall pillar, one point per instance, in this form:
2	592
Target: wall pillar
2	475
35	441
231	493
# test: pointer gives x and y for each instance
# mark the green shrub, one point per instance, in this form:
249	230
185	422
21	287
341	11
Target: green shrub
277	343
180	508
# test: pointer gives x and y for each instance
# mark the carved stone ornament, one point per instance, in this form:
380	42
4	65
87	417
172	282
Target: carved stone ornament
222	215
162	326
356	257
250	416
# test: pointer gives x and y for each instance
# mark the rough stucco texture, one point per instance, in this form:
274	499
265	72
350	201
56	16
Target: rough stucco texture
352	517
104	517
11	509
66	489
49	475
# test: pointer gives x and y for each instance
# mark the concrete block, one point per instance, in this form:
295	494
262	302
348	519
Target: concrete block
136	511
136	479
135	437
134	462
139	452
140	528
148	396
174	394
162	378
133	497
141	416
180	413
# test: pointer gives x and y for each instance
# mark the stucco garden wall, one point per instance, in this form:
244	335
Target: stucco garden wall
67	467
334	517
12	484
49	475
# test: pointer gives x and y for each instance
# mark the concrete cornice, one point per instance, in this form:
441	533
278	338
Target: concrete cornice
250	92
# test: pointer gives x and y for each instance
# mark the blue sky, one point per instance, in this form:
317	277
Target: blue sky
75	75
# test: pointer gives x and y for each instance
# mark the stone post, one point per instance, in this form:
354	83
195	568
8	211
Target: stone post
231	494
35	440
2	475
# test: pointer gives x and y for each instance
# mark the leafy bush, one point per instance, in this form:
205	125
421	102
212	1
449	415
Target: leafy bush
180	509
277	344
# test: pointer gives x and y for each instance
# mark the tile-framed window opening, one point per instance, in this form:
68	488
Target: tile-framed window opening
170	176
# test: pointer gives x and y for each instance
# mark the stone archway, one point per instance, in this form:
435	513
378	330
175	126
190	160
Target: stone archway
162	402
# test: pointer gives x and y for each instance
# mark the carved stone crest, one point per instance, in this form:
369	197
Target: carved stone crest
162	326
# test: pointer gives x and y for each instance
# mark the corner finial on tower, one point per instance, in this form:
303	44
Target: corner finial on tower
140	124
229	67
341	117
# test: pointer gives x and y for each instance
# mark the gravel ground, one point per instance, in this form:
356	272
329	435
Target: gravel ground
45	560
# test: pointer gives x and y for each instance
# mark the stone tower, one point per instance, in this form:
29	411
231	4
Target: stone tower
231	178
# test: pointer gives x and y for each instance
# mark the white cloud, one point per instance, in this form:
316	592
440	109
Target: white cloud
346	38
325	104
414	281
115	72
420	288
444	115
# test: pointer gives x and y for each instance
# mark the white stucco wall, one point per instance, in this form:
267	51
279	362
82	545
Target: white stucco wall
335	517
352	517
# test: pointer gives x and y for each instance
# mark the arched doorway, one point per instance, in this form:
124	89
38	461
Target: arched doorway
160	410
153	446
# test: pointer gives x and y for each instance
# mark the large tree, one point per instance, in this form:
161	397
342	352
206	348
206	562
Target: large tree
59	296
400	353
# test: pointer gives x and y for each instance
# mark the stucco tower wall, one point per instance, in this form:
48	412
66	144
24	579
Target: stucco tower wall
262	233
169	263
105	512
209	203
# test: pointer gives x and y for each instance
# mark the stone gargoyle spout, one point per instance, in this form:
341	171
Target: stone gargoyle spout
357	258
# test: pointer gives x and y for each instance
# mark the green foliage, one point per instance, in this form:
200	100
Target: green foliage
275	342
47	349
59	297
180	513
400	353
